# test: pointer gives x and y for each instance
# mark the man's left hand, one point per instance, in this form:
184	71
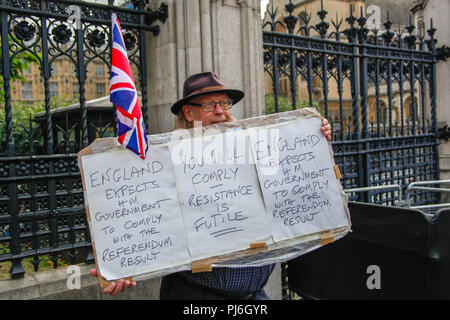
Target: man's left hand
326	129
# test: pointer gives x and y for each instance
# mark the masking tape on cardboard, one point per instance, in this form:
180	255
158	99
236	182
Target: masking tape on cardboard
201	266
326	238
257	245
337	172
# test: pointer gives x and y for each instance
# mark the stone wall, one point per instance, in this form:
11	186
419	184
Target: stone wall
223	36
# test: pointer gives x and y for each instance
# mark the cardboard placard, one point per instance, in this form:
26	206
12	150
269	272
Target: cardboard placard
259	190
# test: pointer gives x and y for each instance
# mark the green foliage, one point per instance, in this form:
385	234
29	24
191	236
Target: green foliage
285	104
22	115
45	263
21	62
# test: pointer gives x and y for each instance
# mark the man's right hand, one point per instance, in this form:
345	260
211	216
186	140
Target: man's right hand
115	287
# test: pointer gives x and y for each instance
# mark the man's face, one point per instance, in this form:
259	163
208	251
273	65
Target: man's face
195	113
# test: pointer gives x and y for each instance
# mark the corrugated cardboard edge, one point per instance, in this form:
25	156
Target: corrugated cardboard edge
338	174
205	265
99	145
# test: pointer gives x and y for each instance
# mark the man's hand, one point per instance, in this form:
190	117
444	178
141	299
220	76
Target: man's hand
326	129
115	287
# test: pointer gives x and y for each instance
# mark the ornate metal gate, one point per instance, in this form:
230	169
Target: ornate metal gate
41	197
377	87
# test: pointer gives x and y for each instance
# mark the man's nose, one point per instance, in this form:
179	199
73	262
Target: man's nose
218	108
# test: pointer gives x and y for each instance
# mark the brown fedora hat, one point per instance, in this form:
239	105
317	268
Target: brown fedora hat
201	84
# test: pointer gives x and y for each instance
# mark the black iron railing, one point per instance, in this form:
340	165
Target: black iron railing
41	197
377	87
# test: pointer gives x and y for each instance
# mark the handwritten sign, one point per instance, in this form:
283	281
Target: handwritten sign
295	169
222	204
135	212
266	183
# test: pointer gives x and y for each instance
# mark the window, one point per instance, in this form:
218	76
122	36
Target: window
99	70
53	89
27	91
101	91
54	69
75	89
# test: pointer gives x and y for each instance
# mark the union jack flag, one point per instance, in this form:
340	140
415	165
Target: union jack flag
122	93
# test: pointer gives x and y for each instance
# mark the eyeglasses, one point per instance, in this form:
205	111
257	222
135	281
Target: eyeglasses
209	106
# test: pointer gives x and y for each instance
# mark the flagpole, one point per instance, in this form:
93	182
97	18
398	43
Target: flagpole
116	140
131	131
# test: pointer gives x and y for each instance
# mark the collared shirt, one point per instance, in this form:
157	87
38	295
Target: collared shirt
232	281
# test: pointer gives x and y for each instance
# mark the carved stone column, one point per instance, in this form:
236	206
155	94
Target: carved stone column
223	36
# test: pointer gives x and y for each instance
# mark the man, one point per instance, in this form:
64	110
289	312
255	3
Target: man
207	100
